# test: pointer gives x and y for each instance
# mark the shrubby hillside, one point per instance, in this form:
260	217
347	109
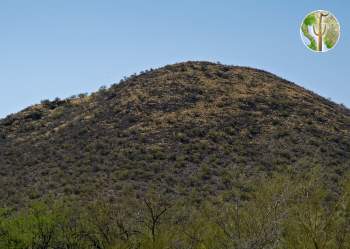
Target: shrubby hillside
191	130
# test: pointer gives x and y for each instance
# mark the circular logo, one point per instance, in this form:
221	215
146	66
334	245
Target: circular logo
320	31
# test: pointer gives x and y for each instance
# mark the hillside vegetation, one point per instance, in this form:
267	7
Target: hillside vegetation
185	130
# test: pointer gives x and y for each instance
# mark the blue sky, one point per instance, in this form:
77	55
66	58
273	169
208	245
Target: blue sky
57	48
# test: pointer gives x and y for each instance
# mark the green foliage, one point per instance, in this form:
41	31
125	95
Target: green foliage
305	30
312	45
310	20
289	211
329	43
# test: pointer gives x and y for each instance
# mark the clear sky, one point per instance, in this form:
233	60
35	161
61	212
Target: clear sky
58	48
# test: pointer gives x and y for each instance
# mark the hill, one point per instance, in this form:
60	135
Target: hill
187	128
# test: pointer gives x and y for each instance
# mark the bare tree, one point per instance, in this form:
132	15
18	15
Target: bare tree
152	215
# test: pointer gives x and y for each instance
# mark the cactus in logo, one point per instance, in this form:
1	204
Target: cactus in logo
320	31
